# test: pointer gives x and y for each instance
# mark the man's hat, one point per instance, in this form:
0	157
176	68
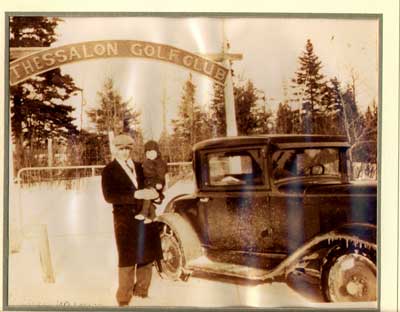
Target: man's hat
123	140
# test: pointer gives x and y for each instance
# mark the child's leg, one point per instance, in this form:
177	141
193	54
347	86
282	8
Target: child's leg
152	212
143	214
146	208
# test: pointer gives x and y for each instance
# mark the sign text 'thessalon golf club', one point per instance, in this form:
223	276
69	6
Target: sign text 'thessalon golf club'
50	58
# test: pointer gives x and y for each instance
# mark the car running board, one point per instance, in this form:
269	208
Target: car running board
204	264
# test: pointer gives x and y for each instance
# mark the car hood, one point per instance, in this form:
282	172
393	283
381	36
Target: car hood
327	186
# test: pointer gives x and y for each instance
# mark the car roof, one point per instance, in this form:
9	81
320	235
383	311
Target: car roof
281	140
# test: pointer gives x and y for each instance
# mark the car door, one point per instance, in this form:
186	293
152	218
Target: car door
236	204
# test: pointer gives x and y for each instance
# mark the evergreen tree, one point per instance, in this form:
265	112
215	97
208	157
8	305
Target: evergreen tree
33	31
354	120
217	112
263	121
284	119
37	109
335	121
88	148
165	143
191	126
201	124
113	113
364	148
355	127
246	97
251	117
371	121
287	120
310	88
371	132
182	125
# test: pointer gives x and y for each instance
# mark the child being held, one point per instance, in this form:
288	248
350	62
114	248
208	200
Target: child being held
154	169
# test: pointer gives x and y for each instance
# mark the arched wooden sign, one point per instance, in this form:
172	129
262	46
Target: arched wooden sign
47	59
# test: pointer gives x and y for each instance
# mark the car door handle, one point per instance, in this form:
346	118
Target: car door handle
204	199
267	232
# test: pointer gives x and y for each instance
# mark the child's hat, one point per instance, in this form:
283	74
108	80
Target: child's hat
151	145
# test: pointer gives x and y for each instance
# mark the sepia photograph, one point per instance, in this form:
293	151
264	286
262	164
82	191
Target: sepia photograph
193	160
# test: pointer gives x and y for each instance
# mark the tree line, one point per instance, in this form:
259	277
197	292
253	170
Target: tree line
312	104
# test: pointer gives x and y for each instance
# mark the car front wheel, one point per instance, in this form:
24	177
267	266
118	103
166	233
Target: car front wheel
173	258
349	274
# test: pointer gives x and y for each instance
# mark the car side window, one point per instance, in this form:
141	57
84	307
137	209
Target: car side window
235	168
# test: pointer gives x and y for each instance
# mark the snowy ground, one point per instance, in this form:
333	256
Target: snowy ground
83	254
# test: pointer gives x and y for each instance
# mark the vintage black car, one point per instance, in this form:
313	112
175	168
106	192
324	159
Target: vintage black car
269	205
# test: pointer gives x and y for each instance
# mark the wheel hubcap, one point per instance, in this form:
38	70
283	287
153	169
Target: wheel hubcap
353	278
355	288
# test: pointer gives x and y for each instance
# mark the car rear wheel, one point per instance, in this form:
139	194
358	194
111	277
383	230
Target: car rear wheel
349	274
173	258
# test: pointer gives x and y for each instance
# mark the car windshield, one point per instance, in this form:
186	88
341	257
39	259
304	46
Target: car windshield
293	163
243	167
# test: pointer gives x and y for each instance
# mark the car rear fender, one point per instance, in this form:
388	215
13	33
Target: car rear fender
358	234
363	231
185	234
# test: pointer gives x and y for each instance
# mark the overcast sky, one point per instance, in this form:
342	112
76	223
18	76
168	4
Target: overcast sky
270	48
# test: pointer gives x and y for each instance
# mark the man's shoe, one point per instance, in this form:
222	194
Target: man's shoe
140	295
123	303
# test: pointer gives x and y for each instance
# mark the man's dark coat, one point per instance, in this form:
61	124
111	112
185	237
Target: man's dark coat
137	243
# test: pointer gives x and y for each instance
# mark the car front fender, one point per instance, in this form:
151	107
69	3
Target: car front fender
185	234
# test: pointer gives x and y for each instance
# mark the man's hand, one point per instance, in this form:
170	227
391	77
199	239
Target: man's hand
147	194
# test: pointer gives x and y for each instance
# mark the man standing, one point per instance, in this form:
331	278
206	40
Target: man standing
138	244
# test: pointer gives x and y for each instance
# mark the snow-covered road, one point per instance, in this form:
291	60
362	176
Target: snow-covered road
83	254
